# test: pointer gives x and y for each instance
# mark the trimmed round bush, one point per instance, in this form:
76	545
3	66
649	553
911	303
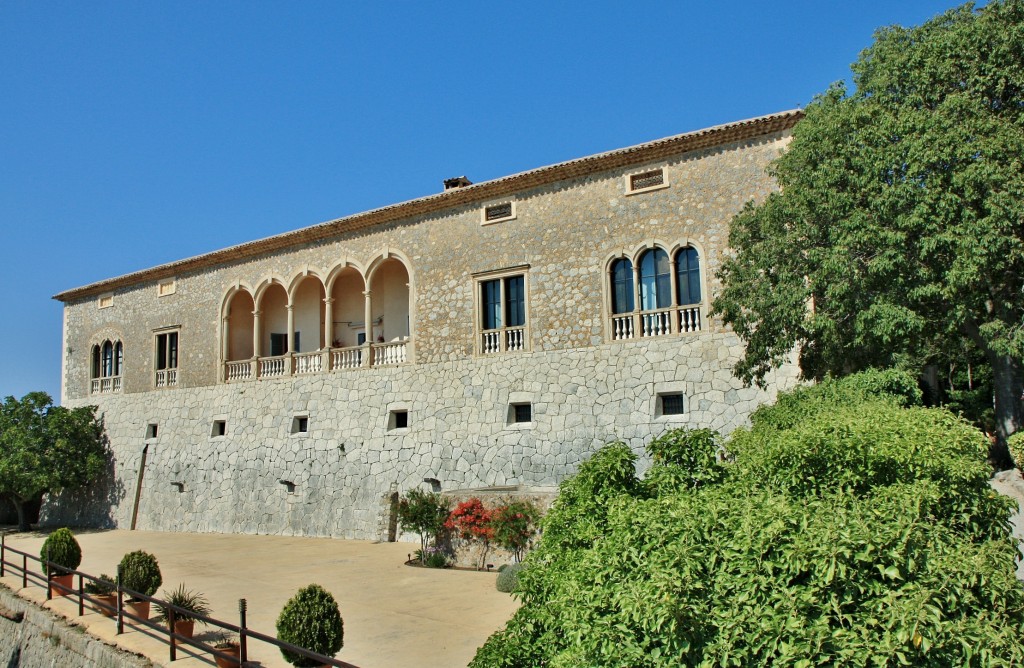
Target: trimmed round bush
508	578
140	572
63	550
311	620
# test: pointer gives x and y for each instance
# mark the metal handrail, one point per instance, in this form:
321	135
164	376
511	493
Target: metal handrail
244	633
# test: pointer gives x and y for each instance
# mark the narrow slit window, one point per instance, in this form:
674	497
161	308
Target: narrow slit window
152	430
220	428
300	424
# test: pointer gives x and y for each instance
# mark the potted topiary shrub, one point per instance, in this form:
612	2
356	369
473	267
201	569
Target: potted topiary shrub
139	572
311	620
193	602
103	592
62	550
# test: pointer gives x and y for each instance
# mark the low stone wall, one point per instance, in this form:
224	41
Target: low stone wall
34	638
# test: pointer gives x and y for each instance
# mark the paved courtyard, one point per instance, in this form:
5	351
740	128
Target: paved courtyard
394	615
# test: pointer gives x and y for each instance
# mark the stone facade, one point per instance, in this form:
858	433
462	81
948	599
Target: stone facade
422	266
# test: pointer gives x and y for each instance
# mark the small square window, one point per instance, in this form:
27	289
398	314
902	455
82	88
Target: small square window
220	428
672	404
300	424
165	287
522	413
152	429
398	419
106	301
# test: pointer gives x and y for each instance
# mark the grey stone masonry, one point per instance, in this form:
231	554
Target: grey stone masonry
316	441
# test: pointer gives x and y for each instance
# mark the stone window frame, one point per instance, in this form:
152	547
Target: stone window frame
634	256
221	420
479	279
393	409
152	431
166	287
294	426
170	373
660	390
489	205
630	176
105	300
520	399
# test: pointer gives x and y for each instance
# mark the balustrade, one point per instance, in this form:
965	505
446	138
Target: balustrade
105	385
166	377
347	358
389	353
677	320
238	370
505	339
273	367
309	362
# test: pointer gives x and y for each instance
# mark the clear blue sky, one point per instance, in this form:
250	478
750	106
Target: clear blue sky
138	133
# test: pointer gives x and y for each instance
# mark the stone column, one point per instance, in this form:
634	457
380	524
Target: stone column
225	347
368	324
328	331
674	300
256	330
637	324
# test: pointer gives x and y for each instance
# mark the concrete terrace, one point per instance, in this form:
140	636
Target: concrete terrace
394	615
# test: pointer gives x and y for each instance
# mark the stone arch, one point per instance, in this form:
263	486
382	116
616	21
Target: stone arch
390	284
238	324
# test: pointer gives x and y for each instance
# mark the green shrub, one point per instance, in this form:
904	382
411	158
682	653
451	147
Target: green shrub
860	533
61	548
1016	445
683	458
514	526
104	585
508	578
423	512
808	401
311	620
140	572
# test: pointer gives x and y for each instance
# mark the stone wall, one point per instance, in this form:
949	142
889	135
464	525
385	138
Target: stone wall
345	465
35	638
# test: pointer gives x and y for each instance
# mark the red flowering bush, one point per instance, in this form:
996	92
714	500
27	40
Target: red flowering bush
472	522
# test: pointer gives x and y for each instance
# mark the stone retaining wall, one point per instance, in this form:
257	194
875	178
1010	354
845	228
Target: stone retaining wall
34	638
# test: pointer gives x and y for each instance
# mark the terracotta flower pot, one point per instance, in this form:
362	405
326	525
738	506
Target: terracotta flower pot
105	604
61	585
138	608
234	649
185	627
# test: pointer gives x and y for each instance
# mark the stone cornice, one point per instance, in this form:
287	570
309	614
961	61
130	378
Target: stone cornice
478	192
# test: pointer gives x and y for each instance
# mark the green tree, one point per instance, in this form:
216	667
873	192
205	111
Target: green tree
897	237
46	448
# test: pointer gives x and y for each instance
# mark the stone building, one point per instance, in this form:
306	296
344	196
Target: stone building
492	335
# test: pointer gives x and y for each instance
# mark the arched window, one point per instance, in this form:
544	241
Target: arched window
622	286
688	276
95	362
107	365
655	280
118	358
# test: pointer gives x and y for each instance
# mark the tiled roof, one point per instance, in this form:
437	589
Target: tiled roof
506	185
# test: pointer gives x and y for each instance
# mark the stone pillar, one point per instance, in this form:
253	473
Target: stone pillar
368	320
256	330
637	324
225	347
674	299
328	331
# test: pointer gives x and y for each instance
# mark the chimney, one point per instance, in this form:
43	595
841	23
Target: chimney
457	182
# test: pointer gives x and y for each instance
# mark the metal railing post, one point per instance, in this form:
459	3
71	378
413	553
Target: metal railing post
3	552
173	640
243	653
81	601
24	571
120	602
49	573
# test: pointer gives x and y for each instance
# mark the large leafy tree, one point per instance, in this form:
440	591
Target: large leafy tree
897	237
46	448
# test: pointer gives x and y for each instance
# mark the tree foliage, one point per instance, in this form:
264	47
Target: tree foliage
897	237
848	527
425	513
46	448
